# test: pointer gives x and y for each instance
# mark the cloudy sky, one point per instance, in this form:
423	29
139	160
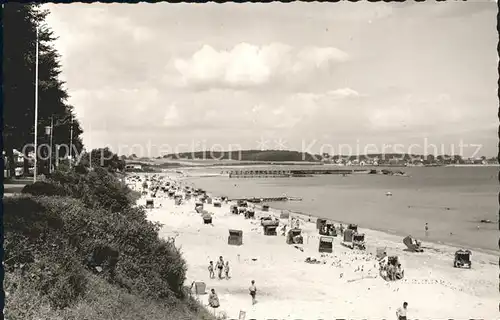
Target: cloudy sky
300	76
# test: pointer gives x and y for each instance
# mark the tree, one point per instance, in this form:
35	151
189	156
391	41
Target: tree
20	23
103	157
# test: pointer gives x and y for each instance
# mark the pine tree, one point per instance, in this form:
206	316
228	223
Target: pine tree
20	22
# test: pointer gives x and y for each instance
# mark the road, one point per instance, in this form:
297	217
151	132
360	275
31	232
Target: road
15	186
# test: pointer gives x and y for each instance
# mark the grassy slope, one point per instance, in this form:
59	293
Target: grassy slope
102	301
48	244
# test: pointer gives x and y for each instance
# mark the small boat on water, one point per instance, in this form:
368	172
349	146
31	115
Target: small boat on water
388	193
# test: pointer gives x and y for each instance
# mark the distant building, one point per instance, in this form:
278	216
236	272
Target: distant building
133	166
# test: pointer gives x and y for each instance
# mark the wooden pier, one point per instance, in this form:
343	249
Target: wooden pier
271	199
293	173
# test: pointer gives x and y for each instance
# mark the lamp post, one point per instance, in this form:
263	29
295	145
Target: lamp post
49	130
36	107
71	142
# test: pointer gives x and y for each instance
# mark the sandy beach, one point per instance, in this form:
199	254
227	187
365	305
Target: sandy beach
346	284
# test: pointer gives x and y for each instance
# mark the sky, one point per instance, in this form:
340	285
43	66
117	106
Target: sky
346	77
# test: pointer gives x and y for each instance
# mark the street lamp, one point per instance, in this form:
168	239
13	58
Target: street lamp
49	130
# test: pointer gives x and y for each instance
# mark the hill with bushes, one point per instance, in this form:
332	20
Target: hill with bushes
77	247
249	155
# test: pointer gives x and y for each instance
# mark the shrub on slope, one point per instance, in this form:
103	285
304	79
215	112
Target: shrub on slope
53	241
123	246
98	188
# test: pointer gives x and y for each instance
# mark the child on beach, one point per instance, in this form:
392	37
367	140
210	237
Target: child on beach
213	300
220	266
253	292
211	270
226	269
401	312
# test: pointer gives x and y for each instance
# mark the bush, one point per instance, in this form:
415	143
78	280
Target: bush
101	301
43	188
89	221
124	245
97	189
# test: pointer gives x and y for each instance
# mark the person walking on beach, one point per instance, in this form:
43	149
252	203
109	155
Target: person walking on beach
401	312
426	230
213	300
253	292
220	266
211	270
226	269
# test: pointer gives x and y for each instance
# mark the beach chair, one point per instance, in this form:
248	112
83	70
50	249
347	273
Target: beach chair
381	252
242	203
265	208
217	204
207	218
325	244
235	237
234	209
249	214
412	244
294	236
269	221
462	259
200	287
348	235
358	241
320	223
242	210
270	230
353	227
150	203
332	231
178	201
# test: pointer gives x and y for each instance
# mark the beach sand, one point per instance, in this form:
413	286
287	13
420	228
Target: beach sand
346	285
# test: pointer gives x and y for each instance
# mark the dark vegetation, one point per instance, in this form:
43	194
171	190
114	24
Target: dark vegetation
20	22
76	247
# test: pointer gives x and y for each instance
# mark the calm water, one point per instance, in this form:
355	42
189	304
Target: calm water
451	200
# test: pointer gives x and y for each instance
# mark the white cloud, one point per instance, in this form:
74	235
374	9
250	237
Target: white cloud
171	117
343	93
250	65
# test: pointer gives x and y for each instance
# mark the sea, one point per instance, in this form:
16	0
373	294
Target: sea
451	200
